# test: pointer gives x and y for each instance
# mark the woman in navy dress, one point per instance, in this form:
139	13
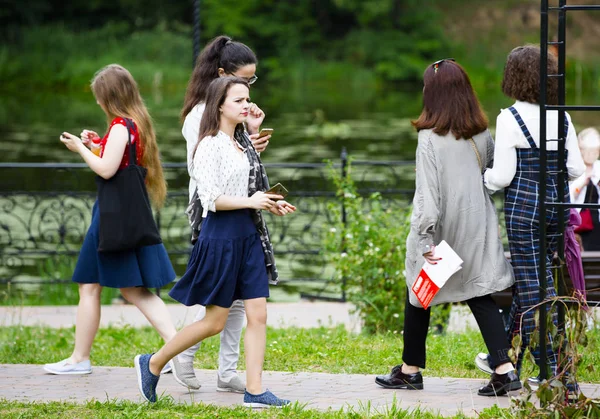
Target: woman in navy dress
131	271
227	262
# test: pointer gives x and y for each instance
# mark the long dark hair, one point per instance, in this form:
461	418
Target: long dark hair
215	97
221	52
450	103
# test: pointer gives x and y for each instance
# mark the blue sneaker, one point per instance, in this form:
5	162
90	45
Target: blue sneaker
266	399
147	381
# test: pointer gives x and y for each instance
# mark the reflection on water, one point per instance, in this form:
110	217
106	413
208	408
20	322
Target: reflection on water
306	130
311	124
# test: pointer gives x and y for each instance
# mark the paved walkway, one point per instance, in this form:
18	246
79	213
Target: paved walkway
300	314
280	315
447	396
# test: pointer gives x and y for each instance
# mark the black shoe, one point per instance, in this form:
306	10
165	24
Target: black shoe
397	379
500	384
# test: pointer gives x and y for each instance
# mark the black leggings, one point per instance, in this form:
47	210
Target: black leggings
489	319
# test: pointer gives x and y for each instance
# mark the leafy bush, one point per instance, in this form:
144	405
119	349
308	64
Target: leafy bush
559	396
368	254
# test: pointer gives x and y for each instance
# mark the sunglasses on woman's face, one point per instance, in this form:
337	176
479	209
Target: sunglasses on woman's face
436	65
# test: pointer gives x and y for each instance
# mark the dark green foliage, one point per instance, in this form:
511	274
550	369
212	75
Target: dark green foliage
555	396
392	39
368	255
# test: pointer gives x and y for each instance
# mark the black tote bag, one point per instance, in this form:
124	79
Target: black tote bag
126	219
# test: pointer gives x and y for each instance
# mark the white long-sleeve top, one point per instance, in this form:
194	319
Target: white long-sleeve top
579	187
220	167
191	131
509	137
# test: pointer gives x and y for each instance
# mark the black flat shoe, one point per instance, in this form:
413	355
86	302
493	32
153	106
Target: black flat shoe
397	379
500	384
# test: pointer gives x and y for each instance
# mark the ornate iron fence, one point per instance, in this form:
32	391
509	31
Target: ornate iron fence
45	210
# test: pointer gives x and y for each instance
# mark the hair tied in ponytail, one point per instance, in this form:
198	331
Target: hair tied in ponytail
221	52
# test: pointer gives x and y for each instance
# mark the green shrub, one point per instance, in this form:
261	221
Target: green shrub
556	398
367	252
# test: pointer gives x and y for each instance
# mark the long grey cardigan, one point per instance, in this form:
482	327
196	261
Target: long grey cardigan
451	204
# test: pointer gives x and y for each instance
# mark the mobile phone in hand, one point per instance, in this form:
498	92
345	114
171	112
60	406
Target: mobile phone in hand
278	189
264	132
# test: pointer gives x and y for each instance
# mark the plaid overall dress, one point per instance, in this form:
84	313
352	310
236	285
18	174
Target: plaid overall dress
521	210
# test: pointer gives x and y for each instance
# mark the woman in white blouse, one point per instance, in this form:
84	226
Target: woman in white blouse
227	262
585	188
221	57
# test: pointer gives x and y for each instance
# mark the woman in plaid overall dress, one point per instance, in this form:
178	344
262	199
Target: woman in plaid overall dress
516	168
521	212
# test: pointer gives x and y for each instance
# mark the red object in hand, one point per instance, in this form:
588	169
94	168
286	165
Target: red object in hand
95	145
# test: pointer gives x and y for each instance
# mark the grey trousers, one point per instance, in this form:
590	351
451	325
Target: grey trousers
229	352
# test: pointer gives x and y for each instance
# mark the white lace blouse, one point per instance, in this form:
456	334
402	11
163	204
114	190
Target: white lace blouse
221	167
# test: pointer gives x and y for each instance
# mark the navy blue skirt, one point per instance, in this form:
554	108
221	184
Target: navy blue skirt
147	266
227	263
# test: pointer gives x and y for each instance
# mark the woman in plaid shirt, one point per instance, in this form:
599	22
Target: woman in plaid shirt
516	168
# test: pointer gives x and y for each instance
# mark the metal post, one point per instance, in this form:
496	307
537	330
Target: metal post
196	34
542	187
562	133
344	158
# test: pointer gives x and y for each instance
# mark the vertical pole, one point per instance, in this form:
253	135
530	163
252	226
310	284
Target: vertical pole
196	34
542	188
344	158
562	57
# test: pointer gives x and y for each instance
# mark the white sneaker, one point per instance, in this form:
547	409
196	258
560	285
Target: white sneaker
184	374
168	368
234	385
482	361
65	367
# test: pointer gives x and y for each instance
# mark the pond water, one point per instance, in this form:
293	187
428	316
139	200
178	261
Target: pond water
311	124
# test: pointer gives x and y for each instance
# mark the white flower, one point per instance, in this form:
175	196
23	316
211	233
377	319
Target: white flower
332	230
396	315
344	254
377	249
367	228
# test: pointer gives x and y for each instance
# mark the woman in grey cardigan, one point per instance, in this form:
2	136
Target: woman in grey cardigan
451	204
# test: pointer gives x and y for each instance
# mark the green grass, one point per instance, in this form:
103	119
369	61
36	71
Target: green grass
331	350
166	407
